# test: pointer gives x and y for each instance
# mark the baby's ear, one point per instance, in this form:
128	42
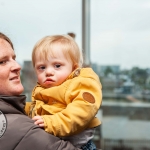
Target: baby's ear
75	66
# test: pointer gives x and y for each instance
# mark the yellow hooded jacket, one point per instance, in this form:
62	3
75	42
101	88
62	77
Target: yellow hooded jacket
71	107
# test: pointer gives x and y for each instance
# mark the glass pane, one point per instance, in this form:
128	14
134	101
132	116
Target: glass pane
120	49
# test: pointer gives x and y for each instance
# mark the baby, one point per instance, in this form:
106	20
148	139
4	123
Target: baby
67	97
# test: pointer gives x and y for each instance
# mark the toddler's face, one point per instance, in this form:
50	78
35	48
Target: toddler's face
55	70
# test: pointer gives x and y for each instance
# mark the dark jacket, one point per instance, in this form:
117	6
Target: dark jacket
21	133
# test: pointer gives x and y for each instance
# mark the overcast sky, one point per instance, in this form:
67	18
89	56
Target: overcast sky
120	29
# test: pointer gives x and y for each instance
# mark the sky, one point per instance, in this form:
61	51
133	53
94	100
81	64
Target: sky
119	29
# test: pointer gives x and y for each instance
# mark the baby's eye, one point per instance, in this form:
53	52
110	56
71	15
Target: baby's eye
41	67
57	65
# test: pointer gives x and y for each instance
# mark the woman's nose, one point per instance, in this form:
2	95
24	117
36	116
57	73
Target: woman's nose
15	66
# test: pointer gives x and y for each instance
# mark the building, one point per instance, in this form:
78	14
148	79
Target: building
28	78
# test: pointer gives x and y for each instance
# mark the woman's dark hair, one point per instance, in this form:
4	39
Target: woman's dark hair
6	38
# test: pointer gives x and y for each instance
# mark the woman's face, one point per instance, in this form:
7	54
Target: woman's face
10	83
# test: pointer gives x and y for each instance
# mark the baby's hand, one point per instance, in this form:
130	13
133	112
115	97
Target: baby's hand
38	121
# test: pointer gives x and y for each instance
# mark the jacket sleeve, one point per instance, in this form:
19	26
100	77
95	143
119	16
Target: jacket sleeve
27	107
37	139
22	134
83	100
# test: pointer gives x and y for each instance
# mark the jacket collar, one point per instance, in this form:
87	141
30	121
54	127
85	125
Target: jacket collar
75	73
12	104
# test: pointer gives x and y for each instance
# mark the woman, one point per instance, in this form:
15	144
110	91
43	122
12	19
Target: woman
18	132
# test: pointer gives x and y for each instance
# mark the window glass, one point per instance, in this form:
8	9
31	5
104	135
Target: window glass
120	49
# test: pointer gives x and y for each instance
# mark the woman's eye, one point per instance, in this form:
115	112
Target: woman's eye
57	66
3	62
14	58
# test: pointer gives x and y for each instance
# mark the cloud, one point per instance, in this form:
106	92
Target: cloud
117	27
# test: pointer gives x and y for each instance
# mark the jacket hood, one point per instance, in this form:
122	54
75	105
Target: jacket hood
12	104
84	72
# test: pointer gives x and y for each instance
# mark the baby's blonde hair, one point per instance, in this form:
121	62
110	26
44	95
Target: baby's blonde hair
67	43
